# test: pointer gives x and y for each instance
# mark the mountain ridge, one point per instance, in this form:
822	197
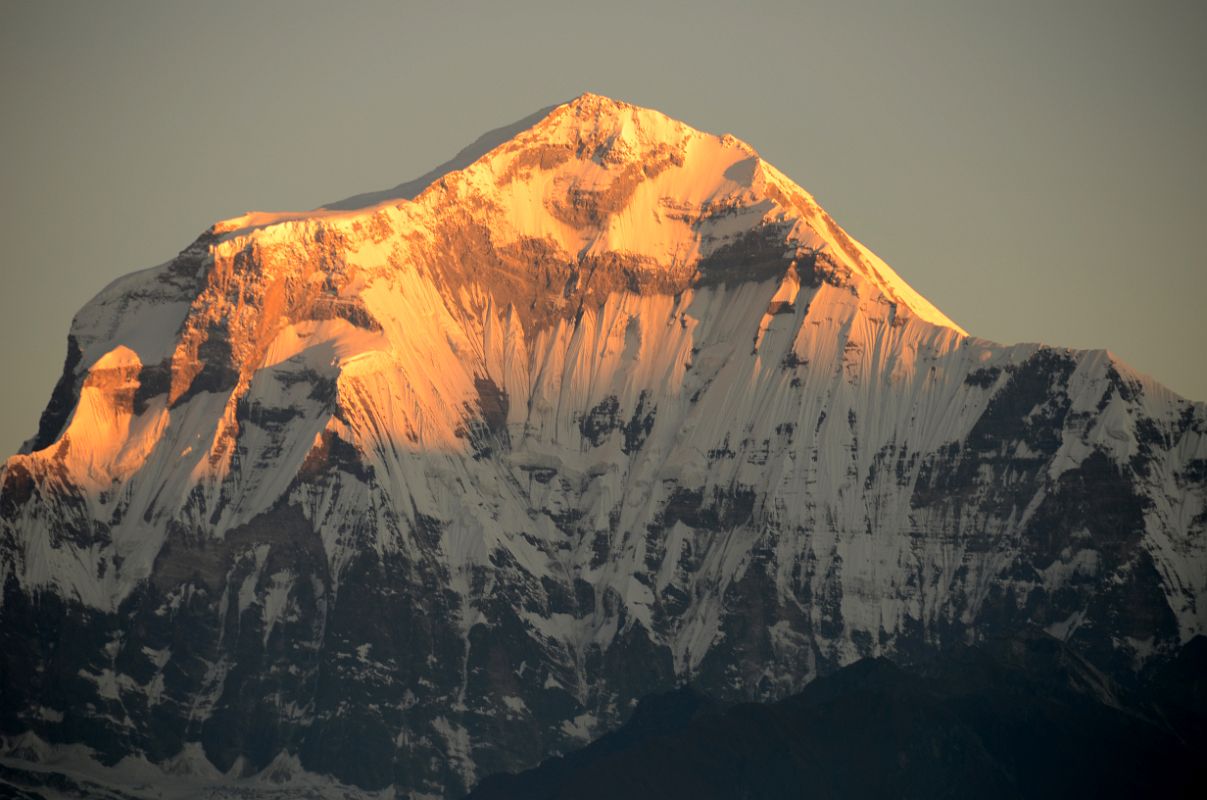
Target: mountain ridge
407	190
1007	718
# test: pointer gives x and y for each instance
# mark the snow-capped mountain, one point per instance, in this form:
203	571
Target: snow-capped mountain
437	481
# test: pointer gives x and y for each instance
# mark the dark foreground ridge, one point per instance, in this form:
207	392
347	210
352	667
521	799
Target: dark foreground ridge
1018	718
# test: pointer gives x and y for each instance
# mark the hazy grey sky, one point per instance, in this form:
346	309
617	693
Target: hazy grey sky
1036	169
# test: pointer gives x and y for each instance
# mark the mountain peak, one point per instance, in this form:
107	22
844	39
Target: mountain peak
615	124
601	175
598	102
597	176
587	104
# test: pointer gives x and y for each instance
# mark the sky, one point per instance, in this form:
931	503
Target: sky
1035	169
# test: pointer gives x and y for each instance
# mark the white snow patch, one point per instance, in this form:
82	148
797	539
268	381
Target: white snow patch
582	727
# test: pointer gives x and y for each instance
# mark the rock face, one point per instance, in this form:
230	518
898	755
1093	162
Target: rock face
422	491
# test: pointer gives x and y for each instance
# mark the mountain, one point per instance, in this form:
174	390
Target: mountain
1016	718
408	494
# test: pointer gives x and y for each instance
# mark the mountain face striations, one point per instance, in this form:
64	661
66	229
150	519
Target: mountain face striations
412	493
